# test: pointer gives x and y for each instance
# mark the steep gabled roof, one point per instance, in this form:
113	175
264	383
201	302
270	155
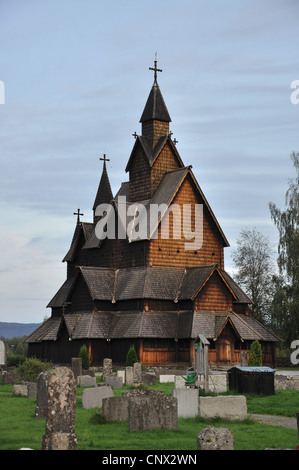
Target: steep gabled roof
82	227
211	324
151	154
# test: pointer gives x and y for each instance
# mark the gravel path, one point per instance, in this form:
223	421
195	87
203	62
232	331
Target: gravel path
276	420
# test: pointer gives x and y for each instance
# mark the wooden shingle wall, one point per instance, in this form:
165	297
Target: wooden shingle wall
165	162
172	252
214	296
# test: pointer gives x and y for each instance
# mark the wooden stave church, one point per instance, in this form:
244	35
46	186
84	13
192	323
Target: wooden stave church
152	292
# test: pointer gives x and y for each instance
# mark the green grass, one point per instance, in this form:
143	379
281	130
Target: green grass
19	428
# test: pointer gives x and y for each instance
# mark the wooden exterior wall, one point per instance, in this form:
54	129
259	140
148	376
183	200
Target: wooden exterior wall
155	351
154	129
214	296
140	188
165	162
165	252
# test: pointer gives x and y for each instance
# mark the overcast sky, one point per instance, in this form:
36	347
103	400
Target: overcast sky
76	81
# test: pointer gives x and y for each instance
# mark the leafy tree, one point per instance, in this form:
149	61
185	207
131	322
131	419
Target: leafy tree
131	356
83	353
286	298
255	354
255	267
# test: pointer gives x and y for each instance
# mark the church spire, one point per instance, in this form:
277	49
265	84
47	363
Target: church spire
104	194
155	118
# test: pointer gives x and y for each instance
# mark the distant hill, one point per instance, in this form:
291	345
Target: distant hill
10	330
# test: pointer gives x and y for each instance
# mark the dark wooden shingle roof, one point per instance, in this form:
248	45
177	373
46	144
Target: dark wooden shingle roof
155	107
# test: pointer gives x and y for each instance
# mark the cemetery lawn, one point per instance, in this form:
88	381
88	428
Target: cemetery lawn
19	428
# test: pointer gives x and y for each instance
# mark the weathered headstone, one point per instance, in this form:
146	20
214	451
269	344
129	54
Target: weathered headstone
86	381
212	438
93	397
148	379
129	376
20	390
231	407
137	374
60	421
25	389
151	409
114	381
32	390
76	366
10	376
2	353
116	409
42	394
107	367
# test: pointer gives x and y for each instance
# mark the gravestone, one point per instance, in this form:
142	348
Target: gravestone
233	407
25	389
76	366
114	381
116	409
86	381
188	401
107	367
151	409
212	438
2	353
60	421
11	376
32	390
129	376
93	397
122	374
148	379
137	374
20	390
42	394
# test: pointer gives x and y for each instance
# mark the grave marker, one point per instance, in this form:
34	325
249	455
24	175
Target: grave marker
60	421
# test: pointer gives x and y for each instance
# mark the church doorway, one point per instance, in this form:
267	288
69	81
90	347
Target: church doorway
223	349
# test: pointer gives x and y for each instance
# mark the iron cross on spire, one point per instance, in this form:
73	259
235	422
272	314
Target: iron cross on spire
78	215
155	68
105	159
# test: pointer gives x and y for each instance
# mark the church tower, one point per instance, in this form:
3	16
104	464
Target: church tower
154	153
